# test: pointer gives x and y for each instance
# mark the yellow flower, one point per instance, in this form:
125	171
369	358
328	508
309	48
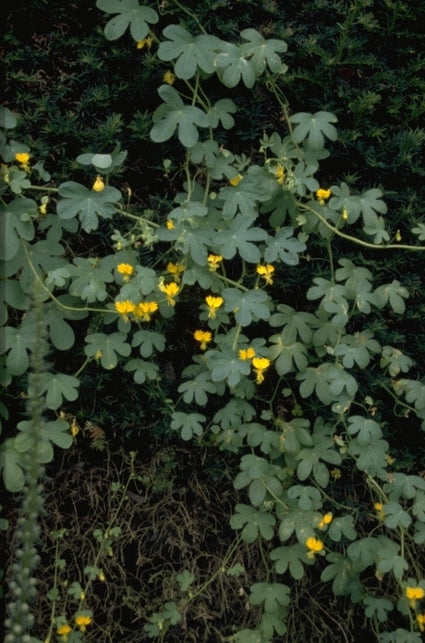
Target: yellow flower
326	520
124	308
22	157
146	42
213	304
170	291
378	506
169	77
170	224
280	174
414	594
344	213
421	622
236	180
145	309
98	185
260	364
398	236
336	473
5	173
98	355
63	631
322	195
126	270
82	622
101	576
266	272
202	336
246	353
42	208
314	545
74	428
213	261
175	269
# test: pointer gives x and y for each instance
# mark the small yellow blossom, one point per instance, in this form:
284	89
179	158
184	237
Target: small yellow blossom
202	336
98	185
421	622
175	269
5	173
63	631
266	272
213	304
235	180
146	42
314	545
101	576
124	308
98	355
82	622
378	506
260	364
389	459
336	473
344	213
74	428
145	309
322	195
326	520
280	174
22	157
170	224
42	208
169	77
126	270
398	236
213	261
170	291
246	354
414	594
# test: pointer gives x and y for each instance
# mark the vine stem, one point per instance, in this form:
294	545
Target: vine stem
360	242
52	296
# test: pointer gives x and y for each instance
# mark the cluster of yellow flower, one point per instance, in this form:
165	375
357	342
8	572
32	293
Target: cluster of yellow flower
260	364
141	311
266	272
81	622
414	594
315	545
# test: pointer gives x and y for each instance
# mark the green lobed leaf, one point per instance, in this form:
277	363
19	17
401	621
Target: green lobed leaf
313	128
142	370
190	52
188	424
234	66
108	346
15	224
272	595
130	14
263	53
284	247
89	205
289	558
254	523
173	114
11	466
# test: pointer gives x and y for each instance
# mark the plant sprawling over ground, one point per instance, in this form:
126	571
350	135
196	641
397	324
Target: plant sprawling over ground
212	293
